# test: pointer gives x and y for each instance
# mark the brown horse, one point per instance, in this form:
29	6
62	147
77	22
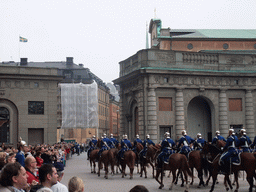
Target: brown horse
93	157
129	160
139	147
150	158
177	161
248	164
113	158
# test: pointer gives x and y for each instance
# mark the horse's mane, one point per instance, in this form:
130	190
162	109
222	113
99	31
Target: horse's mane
214	148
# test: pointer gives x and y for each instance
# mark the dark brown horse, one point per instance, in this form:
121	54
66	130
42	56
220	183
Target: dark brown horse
139	147
248	164
129	160
113	158
93	157
177	161
150	159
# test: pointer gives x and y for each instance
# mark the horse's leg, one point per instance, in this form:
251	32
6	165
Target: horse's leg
192	180
176	181
106	170
158	171
214	178
173	177
229	182
131	172
236	180
182	179
200	176
99	167
186	180
153	169
123	169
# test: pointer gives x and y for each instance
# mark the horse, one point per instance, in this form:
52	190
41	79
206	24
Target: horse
248	164
139	147
150	158
129	160
113	158
93	157
177	161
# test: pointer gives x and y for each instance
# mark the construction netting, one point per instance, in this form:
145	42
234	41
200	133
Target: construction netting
79	103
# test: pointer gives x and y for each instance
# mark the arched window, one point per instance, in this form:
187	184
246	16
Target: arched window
4	125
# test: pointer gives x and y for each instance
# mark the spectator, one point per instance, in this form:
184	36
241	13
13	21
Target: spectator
39	160
139	188
59	187
2	159
30	166
75	184
11	158
47	176
13	178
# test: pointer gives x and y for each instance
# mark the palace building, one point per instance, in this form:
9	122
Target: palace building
199	80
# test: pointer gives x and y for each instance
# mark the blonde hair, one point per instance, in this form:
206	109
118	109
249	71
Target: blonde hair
75	184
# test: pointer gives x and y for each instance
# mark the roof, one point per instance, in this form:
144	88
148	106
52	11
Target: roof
214	33
231	52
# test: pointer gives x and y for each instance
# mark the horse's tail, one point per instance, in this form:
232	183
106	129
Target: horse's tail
205	166
185	166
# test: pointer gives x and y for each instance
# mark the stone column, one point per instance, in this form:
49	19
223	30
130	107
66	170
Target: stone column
223	113
179	113
122	116
249	114
152	118
141	114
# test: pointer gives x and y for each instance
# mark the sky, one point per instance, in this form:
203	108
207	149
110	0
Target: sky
101	33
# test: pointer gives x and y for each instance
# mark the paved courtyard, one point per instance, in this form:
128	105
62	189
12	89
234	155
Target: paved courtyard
79	166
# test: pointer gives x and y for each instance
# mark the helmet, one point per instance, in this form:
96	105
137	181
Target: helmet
217	132
184	132
199	135
231	131
23	143
125	136
111	135
167	135
93	136
147	136
137	136
243	131
104	135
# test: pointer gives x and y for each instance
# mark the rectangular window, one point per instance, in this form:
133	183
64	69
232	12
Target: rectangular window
235	104
36	107
165	103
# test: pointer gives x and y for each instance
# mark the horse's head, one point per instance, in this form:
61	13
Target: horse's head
220	143
98	143
139	147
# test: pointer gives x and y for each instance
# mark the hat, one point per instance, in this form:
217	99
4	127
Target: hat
23	143
59	166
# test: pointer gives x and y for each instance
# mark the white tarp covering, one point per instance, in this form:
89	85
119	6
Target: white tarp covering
79	104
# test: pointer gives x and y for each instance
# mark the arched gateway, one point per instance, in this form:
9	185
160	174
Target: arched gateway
200	118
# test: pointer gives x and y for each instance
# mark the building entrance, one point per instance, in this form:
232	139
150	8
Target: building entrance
199	118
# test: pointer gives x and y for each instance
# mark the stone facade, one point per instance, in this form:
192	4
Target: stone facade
203	87
22	91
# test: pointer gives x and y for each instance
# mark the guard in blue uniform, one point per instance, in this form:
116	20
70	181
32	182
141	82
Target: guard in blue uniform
20	156
166	150
105	144
218	137
113	141
146	143
199	142
92	146
244	142
225	158
126	145
136	141
236	138
185	140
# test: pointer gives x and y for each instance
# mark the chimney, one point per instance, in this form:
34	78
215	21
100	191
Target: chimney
23	61
81	65
69	61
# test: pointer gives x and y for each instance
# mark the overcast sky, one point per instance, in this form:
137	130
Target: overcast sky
100	33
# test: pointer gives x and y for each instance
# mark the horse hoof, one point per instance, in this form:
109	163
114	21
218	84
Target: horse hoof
131	177
227	189
182	185
146	177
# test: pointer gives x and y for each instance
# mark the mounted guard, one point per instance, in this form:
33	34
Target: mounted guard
92	146
244	142
113	141
166	150
199	142
125	146
226	157
136	141
185	140
218	137
146	143
105	144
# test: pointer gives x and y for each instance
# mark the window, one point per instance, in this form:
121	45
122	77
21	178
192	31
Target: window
235	104
36	107
165	103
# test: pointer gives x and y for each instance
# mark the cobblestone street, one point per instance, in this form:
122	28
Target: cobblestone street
79	166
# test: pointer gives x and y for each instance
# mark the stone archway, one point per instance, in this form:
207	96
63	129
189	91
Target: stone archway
134	121
11	127
199	118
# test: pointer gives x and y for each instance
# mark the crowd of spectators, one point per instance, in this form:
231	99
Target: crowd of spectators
36	168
